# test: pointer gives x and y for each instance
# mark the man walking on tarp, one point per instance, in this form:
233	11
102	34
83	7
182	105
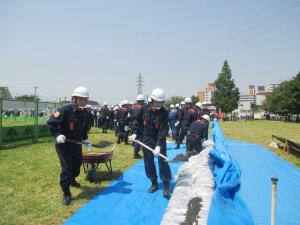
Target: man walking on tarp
70	123
154	119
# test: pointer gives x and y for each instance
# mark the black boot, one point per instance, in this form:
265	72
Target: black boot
75	184
153	187
166	189
137	155
66	196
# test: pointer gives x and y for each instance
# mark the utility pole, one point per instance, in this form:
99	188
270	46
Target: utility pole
140	84
35	87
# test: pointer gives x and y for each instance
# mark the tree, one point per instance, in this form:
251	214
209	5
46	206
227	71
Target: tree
195	99
227	95
285	99
26	98
174	100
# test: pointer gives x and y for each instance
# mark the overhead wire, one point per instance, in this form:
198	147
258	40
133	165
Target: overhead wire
252	27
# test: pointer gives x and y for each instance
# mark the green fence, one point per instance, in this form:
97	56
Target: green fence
20	120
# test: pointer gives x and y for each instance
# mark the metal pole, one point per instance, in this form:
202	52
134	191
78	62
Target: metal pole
36	118
274	196
1	110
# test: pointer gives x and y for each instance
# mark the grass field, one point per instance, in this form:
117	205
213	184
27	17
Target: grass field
29	174
260	132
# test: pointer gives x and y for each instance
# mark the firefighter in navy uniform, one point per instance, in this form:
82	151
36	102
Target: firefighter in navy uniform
123	122
105	115
197	133
154	119
134	111
71	123
188	117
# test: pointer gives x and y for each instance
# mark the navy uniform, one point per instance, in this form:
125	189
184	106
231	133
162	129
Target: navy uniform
197	133
188	117
134	112
123	125
105	115
155	130
73	123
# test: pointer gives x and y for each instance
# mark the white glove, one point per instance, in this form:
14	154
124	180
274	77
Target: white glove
126	128
60	139
88	143
176	124
107	117
156	150
131	138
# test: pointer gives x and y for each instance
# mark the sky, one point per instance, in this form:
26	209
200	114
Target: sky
179	46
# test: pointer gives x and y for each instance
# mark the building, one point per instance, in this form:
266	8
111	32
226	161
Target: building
251	90
272	87
206	94
4	93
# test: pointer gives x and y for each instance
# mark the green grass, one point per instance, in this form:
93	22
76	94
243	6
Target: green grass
260	132
29	187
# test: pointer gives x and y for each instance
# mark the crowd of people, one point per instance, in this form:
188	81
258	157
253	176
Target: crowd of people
149	122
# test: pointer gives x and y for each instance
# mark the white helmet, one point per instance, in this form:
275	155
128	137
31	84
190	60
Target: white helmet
172	106
177	105
188	100
104	103
206	117
115	108
125	102
158	95
140	98
149	99
182	103
198	104
81	92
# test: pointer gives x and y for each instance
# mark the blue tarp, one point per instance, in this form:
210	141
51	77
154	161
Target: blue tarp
126	200
258	165
227	207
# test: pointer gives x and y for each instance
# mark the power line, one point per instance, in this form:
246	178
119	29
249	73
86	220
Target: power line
247	39
195	58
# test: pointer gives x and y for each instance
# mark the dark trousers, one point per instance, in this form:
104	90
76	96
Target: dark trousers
70	157
164	168
181	135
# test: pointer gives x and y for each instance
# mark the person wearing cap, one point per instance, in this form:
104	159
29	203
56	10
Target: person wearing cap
188	117
197	133
70	124
172	120
154	120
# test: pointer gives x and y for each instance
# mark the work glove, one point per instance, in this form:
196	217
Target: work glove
60	139
126	128
88	143
176	124
156	150
131	138
107	117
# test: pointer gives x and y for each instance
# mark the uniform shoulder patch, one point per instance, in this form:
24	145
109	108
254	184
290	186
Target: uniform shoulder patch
56	114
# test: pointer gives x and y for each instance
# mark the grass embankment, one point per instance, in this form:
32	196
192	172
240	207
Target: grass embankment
260	132
29	181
